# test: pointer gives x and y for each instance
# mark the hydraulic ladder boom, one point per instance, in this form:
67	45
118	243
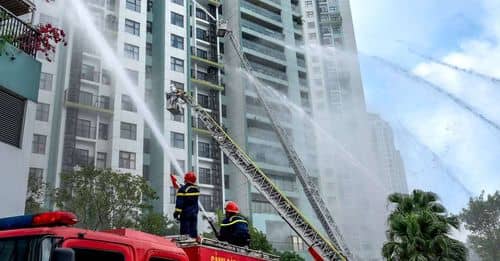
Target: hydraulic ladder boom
308	185
285	208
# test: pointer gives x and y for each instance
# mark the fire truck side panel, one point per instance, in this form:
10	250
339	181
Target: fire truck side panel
203	253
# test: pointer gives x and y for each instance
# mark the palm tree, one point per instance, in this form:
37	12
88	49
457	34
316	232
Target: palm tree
418	230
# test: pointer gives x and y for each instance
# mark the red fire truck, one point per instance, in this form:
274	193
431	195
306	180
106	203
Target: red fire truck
51	237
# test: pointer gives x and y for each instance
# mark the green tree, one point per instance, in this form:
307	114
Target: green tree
419	229
104	199
482	218
34	195
290	256
157	224
258	240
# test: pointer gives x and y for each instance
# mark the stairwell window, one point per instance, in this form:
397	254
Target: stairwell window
134	5
46	81
132	27
39	143
177	140
127	160
176	19
177	41
42	112
128	131
103	131
131	51
176	64
179	2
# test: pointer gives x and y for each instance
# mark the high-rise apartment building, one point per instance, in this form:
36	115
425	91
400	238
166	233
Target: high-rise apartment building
94	120
19	78
389	158
165	44
353	177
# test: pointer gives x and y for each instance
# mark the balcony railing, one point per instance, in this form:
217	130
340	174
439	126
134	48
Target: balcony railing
208	77
86	131
269	71
207	55
17	32
262	29
87	99
264	49
197	123
261	11
83	161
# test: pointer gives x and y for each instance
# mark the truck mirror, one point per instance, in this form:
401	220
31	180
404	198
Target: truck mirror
63	254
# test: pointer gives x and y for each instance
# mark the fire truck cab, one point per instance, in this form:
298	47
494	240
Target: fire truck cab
50	237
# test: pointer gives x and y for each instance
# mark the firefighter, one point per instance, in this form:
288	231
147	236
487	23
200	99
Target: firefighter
234	228
186	206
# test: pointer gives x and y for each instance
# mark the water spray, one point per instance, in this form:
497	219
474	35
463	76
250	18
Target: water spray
400	70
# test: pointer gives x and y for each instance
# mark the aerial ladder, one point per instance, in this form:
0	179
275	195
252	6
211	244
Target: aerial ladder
319	247
310	189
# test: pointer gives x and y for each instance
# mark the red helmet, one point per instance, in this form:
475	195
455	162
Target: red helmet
190	177
232	207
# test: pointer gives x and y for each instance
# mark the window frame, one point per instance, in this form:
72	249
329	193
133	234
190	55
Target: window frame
131	51
133	5
128	130
128	162
132	27
176	19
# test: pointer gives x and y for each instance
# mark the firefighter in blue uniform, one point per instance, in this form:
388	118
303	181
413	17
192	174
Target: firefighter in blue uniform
234	228
186	206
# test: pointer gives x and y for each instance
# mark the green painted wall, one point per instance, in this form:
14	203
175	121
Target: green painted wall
19	72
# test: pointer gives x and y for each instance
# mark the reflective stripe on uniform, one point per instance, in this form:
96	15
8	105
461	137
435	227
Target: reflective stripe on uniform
188	194
234	222
178	210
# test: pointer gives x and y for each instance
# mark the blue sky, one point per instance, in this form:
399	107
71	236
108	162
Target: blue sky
446	149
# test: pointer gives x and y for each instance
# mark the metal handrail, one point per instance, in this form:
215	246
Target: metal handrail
18	33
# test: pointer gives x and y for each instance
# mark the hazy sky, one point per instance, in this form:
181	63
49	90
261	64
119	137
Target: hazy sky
446	148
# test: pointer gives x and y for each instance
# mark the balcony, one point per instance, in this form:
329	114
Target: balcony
331	18
76	98
262	29
16	7
269	71
206	57
261	11
82	160
16	32
206	79
85	131
264	49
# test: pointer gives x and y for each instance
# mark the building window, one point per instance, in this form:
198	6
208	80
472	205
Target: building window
146	145
205	176
145	172
134	5
101	160
177	140
226	181
149	72
179	2
149	49
127	160
181	164
309	3
177	41
128	131
310	14
207	201
203	100
262	207
35	175
12	117
133	76
177	85
131	51
128	104
150	5
310	24
103	131
203	149
42	112
176	19
176	64
149	27
39	142
132	27
46	81
297	244
201	34
224	111
312	36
